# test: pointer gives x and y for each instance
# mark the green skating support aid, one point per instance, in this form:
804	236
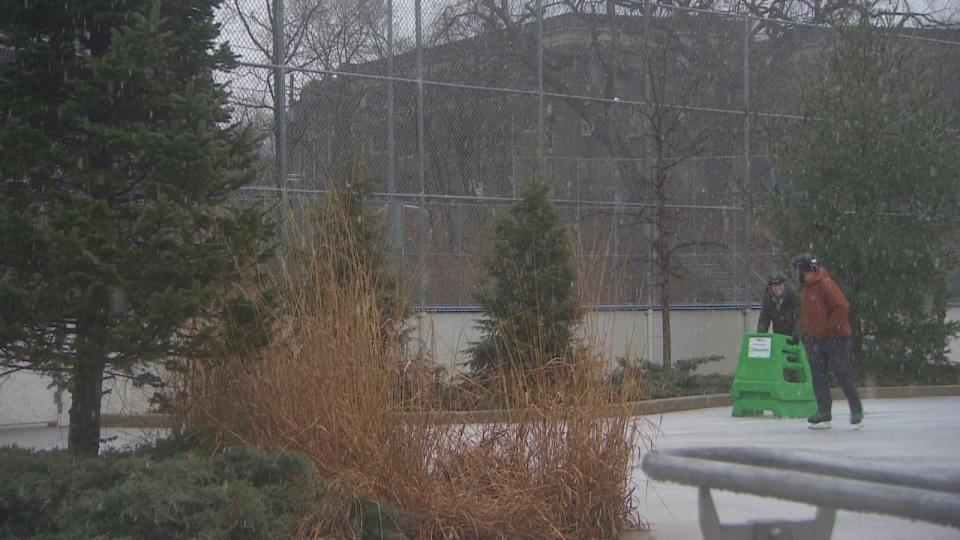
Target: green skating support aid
772	375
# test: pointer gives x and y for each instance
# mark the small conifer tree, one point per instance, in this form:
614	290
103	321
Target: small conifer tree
529	296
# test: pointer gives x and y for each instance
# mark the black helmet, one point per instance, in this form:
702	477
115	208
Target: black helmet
776	278
805	262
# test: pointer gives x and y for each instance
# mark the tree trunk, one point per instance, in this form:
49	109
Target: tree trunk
663	251
664	254
665	319
86	389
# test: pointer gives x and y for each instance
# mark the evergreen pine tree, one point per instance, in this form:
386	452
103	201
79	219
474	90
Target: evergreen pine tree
873	177
116	154
529	296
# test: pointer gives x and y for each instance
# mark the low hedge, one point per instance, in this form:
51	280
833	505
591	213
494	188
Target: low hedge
178	488
241	494
655	382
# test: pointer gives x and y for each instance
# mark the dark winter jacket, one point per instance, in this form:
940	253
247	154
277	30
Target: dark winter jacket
825	308
783	311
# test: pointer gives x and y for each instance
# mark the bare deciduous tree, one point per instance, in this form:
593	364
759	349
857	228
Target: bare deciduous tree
319	37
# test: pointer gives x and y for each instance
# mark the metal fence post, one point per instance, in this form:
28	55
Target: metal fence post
420	167
393	209
279	103
647	92
747	214
540	155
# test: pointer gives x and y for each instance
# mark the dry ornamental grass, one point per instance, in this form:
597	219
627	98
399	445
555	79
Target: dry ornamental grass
332	386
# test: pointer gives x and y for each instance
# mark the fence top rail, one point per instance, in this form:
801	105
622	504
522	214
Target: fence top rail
474	308
819	480
437	198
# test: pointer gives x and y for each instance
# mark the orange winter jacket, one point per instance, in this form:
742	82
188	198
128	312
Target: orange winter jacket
824	309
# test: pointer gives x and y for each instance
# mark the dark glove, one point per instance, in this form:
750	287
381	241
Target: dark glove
793	340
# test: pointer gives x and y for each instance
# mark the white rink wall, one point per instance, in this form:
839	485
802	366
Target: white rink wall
28	399
633	334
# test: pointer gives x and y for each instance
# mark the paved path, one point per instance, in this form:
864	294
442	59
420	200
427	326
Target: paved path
41	437
918	433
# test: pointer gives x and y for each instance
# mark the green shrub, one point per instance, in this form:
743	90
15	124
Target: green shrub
680	380
528	295
241	494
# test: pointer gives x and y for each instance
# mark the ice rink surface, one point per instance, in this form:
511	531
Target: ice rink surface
921	434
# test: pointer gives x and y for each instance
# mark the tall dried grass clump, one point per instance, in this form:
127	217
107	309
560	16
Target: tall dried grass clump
331	385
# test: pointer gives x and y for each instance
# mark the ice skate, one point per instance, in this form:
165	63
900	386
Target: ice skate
819	421
856	420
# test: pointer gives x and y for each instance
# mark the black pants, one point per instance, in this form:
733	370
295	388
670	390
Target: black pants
832	353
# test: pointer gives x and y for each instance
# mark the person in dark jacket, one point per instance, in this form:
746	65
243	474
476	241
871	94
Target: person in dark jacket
826	338
781	307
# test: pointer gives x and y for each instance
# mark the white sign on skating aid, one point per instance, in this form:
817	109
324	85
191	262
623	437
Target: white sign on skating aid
759	347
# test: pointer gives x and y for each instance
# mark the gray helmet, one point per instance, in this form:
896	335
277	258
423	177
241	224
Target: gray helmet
777	278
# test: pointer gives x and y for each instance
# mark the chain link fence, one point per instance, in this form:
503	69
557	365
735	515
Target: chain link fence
648	122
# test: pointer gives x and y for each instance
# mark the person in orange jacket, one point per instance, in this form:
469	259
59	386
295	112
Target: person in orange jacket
826	338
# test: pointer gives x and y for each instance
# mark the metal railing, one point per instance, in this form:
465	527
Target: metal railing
830	483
